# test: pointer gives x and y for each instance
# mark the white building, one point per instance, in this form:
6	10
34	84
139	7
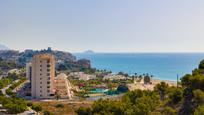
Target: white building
82	76
63	86
114	77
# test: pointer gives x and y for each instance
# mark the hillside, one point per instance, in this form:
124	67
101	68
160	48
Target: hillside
64	60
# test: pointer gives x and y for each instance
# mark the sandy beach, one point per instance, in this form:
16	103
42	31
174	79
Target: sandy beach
141	85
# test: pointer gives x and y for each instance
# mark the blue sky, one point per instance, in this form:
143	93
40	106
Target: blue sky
103	25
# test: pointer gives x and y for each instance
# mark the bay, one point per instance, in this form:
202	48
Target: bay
165	66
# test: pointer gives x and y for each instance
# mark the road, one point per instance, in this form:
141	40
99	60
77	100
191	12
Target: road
4	90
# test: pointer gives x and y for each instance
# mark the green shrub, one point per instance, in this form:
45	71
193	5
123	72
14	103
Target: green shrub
201	65
176	96
36	107
29	104
162	89
9	91
47	113
59	106
169	111
198	96
14	105
199	110
83	111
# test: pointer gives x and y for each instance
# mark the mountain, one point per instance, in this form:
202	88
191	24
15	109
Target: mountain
3	47
60	56
89	52
64	60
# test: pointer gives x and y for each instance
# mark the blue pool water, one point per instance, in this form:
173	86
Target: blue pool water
162	65
99	90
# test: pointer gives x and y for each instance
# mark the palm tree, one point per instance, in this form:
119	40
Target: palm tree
135	74
151	78
147	74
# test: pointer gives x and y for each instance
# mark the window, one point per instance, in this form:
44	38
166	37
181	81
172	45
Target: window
40	86
40	82
48	65
48	86
40	95
40	78
48	82
41	74
40	69
48	61
40	91
48	74
48	70
48	78
48	91
40	65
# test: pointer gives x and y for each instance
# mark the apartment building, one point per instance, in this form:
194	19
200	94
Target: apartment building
42	76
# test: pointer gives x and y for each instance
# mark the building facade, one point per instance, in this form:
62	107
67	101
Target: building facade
28	71
63	86
42	76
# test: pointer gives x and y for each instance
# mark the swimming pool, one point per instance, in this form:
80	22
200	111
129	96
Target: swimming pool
99	90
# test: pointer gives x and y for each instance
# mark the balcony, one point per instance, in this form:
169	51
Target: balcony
48	65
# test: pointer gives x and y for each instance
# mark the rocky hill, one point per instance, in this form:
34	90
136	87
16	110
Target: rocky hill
9	54
65	59
59	55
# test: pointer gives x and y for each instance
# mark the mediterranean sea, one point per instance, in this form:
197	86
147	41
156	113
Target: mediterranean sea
165	66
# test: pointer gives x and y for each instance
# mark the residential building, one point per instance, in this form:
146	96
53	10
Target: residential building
42	76
14	71
63	86
82	76
114	77
29	72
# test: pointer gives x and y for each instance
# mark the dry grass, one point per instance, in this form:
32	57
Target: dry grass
68	109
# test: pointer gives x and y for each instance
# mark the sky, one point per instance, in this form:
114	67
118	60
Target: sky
103	25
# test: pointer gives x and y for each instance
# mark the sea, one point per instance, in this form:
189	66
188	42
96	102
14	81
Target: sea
164	66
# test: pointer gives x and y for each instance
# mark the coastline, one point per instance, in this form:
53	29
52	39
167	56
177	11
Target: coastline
143	86
165	66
